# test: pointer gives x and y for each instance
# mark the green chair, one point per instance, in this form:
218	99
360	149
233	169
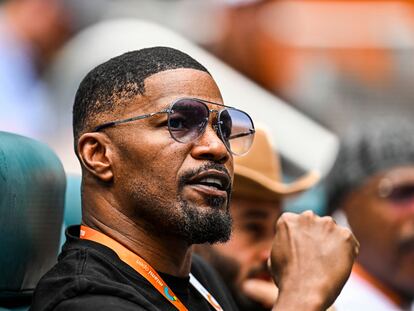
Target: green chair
32	193
73	210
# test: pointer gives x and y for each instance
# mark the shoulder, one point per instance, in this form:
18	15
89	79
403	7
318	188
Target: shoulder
87	275
206	273
199	265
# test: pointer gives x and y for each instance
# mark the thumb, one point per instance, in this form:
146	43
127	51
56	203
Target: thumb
263	292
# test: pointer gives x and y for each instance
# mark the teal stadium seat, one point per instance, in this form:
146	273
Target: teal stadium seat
32	193
73	212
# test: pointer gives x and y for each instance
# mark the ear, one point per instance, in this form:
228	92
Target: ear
94	150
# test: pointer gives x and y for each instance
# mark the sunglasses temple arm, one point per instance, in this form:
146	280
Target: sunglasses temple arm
109	124
242	134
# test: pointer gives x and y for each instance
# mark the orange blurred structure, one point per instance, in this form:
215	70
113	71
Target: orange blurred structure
278	42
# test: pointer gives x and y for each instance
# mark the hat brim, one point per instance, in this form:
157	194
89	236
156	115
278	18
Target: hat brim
249	183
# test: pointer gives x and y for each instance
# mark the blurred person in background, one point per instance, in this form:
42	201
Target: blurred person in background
372	184
258	193
31	31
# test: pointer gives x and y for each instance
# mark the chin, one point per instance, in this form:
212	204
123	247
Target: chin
199	225
217	203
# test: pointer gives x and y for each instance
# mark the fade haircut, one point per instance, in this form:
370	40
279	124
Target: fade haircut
122	77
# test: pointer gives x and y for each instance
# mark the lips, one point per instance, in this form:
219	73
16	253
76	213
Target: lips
216	180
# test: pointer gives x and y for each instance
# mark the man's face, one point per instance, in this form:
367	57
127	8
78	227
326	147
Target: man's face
244	257
166	186
381	214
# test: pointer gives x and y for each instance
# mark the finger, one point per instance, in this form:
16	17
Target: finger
263	292
286	217
328	219
357	245
308	217
309	214
354	240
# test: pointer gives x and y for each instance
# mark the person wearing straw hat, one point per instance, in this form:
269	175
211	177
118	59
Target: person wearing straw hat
258	193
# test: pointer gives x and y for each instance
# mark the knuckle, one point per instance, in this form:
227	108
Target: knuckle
308	213
349	237
285	218
328	220
347	233
308	217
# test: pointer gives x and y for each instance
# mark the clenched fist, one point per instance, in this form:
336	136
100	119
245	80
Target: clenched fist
311	260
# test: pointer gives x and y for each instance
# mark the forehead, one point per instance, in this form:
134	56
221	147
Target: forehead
164	87
394	176
400	174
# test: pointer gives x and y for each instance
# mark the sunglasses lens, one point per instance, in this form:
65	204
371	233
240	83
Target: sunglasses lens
237	130
188	120
402	194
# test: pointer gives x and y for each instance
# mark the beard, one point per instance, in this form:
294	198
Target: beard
182	218
229	270
208	227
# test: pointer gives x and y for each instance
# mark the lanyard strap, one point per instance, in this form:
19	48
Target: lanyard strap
205	293
145	269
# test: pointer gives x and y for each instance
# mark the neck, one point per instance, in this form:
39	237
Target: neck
164	253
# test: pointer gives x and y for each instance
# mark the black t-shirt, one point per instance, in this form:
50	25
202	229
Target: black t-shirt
90	276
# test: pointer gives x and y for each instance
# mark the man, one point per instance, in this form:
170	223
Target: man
372	183
31	32
256	204
156	146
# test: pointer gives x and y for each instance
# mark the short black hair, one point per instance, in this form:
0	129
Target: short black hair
122	77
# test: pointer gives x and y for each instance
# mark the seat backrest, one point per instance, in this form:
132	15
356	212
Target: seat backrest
73	206
73	210
32	193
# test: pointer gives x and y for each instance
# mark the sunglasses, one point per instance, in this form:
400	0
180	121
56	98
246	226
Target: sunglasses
188	119
401	195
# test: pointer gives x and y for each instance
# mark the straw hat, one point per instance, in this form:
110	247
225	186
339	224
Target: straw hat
258	173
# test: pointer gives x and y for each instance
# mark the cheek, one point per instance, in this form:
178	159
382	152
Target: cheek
238	248
377	229
153	164
236	251
386	224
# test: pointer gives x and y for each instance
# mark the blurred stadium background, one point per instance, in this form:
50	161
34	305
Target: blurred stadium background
336	63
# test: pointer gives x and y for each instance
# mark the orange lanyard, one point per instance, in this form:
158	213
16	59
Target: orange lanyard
145	269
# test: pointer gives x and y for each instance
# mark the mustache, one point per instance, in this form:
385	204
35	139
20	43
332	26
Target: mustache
183	180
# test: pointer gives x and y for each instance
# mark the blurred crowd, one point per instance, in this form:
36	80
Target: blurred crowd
349	65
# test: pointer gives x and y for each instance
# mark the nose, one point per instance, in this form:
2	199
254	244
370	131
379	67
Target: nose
210	147
264	251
